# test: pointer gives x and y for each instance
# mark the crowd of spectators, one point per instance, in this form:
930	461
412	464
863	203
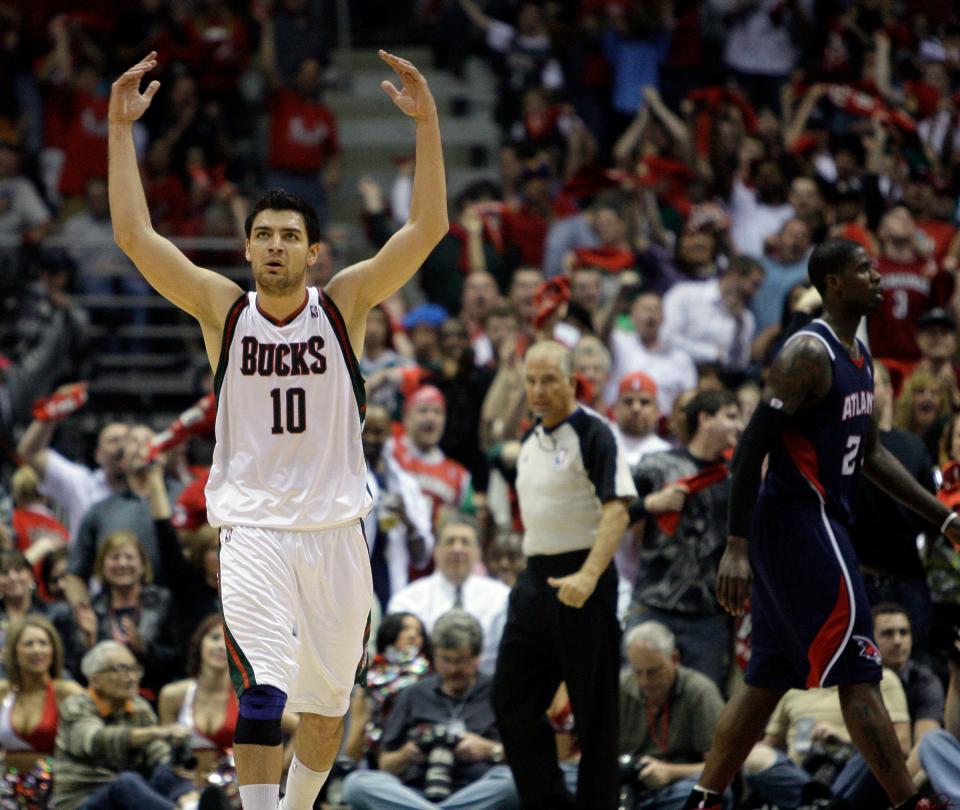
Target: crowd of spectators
663	170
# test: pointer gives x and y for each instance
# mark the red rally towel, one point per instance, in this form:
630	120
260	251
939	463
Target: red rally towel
707	477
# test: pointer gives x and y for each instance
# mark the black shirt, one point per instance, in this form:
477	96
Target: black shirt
884	532
425	703
924	692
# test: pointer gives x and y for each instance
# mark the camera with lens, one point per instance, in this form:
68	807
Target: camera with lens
437	742
824	762
182	755
632	790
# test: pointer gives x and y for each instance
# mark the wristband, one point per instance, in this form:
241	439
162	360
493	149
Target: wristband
947	521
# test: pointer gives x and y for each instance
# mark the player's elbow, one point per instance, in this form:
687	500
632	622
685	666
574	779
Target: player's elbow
130	239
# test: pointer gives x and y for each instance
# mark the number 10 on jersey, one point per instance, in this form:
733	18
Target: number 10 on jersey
291	404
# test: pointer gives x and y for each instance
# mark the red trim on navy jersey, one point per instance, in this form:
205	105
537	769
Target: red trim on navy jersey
829	637
805	457
290	317
858	363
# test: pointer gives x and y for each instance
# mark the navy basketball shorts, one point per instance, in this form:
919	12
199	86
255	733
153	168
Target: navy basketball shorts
812	625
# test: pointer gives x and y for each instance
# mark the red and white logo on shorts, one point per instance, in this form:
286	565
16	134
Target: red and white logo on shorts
868	649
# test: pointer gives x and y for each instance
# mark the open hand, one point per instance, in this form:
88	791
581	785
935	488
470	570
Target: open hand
414	97
127	103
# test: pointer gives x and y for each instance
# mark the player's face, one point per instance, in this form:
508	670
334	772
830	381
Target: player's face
860	283
637	413
550	392
892	631
425	423
34	651
654	672
457	552
279	252
213	650
122	567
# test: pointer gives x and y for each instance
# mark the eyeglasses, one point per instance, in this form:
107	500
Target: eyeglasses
125	669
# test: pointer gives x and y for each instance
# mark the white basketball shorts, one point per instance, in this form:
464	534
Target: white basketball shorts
296	606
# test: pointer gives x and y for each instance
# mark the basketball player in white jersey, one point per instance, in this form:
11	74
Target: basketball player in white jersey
287	487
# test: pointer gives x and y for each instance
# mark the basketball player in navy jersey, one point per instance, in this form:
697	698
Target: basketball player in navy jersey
288	483
789	535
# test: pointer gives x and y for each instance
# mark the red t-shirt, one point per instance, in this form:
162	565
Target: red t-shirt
303	133
941	234
909	290
86	144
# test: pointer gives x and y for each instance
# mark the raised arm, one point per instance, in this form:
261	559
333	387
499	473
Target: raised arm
365	284
801	375
204	294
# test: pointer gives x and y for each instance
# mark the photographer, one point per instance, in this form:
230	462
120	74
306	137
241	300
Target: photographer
940	749
110	750
440	747
806	753
668	714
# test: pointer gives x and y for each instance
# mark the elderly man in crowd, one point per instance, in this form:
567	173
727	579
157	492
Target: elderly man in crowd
455	585
111	751
668	713
441	747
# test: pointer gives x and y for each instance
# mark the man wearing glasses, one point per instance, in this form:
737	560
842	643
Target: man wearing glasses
111	751
573	484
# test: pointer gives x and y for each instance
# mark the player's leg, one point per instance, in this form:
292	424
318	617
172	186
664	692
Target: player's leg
257	598
872	733
335	597
741	724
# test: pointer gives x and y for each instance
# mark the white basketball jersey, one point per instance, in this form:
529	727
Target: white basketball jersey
289	419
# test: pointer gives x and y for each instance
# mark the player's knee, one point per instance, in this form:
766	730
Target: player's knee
261	708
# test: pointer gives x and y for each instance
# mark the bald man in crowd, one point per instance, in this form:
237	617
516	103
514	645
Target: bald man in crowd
573	485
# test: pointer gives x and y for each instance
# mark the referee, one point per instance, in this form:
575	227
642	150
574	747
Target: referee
573	484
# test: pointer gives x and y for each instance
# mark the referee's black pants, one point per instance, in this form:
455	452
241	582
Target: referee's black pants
545	642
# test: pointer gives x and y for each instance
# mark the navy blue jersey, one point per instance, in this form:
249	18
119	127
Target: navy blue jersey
821	453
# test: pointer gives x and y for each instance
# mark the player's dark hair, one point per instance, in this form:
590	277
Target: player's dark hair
279	200
890	609
831	258
708	402
390	628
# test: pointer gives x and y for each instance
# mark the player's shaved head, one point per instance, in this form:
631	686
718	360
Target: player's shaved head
551	352
831	258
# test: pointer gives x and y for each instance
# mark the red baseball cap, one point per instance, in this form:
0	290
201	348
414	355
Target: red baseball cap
636	382
425	394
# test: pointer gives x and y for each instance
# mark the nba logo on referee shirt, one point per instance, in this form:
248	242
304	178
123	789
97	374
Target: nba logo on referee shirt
561	457
314	311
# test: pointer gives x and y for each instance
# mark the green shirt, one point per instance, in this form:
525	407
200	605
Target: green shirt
687	720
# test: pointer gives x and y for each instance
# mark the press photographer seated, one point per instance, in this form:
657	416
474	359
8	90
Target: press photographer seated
440	747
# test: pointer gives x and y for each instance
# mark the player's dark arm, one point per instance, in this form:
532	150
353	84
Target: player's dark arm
365	284
800	376
884	470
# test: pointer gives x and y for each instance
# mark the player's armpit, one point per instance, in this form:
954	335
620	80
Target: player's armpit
801	375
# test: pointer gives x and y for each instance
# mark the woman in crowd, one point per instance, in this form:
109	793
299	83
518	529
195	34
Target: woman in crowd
30	701
18	591
921	408
131	610
402	659
205	701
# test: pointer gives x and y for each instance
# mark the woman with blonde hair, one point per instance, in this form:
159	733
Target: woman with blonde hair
131	609
922	407
32	693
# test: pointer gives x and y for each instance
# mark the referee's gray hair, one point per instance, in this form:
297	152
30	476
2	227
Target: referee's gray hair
93	662
551	348
456	629
651	634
